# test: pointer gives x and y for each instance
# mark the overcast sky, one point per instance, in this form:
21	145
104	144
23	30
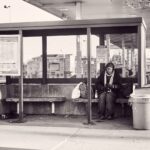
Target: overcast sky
20	11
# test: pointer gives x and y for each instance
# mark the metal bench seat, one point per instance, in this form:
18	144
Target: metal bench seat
51	100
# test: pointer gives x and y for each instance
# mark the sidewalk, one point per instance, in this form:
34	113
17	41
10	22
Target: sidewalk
65	133
70	121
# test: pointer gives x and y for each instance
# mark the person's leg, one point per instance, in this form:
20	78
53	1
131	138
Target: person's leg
110	100
102	104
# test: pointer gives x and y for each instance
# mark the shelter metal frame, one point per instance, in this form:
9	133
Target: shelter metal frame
80	27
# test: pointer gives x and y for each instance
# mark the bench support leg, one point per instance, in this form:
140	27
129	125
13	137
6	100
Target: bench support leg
53	108
123	109
17	108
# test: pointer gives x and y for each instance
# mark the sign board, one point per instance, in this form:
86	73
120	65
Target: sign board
101	57
9	55
102	54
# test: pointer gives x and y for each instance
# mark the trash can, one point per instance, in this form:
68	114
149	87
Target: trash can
141	111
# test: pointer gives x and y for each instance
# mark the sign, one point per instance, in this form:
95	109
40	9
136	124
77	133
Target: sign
9	55
101	57
102	54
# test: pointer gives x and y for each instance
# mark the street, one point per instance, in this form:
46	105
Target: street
77	137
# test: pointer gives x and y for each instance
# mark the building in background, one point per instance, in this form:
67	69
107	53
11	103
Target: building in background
55	66
148	70
148	65
78	62
85	67
63	65
33	69
69	63
58	66
116	59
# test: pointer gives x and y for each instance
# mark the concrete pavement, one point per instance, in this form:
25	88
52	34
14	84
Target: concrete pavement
59	133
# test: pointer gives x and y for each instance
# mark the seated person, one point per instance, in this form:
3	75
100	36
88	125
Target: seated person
107	85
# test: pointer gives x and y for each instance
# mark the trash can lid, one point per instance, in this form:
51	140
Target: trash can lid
140	98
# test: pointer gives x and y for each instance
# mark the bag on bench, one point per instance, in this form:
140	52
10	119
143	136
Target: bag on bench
84	91
125	90
76	91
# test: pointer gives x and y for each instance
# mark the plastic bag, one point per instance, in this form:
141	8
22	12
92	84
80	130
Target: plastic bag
76	91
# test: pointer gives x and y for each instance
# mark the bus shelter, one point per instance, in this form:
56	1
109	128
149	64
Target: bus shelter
78	27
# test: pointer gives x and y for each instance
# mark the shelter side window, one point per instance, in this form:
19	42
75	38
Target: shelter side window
32	60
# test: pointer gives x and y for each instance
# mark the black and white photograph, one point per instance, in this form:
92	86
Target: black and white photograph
74	74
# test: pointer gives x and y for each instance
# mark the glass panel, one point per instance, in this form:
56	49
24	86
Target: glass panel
94	45
32	57
120	49
2	79
61	52
148	65
67	56
130	52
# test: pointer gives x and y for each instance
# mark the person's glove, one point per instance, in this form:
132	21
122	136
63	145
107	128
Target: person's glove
112	86
109	86
104	88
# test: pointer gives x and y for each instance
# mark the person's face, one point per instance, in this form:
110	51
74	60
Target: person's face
109	70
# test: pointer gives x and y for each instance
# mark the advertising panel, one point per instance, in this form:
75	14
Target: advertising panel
9	55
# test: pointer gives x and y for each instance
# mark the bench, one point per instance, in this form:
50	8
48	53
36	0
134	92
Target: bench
51	100
121	101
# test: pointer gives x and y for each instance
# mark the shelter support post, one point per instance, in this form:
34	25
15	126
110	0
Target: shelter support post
44	58
21	78
78	10
89	74
108	46
141	44
78	42
123	56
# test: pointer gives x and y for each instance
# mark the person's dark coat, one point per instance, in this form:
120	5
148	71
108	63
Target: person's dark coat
100	87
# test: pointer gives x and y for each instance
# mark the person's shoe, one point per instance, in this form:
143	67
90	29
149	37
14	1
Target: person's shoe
102	118
109	117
